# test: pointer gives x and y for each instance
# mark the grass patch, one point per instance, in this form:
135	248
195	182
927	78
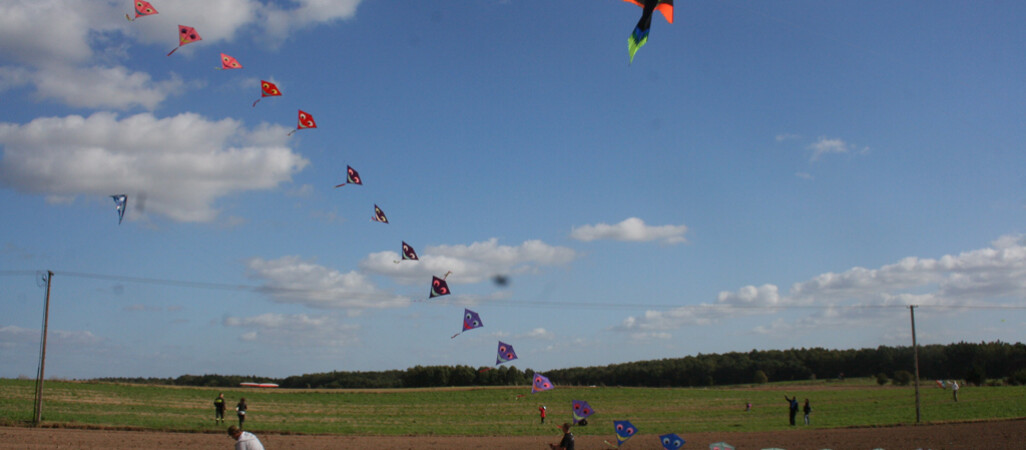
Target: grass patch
500	411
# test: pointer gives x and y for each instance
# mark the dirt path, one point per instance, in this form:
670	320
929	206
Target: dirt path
1007	434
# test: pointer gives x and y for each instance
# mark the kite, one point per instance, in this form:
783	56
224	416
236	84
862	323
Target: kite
142	8
471	319
639	36
624	430
541	383
505	354
352	177
408	253
227	62
120	204
305	121
267	89
941	384
438	286
720	446
186	35
379	215
582	410
671	441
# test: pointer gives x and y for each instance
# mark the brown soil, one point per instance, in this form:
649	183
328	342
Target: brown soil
1006	434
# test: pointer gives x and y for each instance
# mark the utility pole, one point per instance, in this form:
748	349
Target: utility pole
915	356
42	354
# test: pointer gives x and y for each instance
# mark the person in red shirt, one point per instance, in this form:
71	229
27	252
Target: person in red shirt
541	411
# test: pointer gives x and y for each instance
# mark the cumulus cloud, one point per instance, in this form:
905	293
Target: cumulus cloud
295	330
292	280
469	263
104	87
80	32
181	165
632	229
989	276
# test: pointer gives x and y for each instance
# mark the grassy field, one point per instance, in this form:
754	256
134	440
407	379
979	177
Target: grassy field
500	411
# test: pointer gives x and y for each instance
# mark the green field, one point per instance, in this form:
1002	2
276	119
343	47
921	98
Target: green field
500	411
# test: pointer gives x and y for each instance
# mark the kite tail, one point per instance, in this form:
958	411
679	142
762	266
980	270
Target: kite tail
340	185
636	40
128	17
257	101
293	131
397	262
172	51
457	334
611	445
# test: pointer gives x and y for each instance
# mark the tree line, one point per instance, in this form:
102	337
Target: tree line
970	362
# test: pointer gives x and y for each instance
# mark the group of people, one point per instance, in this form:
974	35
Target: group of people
219	405
793	408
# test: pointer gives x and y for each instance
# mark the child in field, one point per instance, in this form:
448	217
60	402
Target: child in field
219	408
241	408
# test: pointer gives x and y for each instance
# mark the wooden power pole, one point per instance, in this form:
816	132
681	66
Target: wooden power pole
915	356
42	354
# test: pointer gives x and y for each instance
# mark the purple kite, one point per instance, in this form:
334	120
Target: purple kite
439	287
471	320
379	215
505	353
352	177
624	431
541	383
582	410
671	441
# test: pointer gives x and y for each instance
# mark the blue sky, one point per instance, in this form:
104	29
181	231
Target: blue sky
765	175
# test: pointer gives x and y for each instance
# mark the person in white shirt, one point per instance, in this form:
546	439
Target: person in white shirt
244	440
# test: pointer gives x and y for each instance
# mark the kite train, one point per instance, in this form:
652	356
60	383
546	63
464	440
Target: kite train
541	383
639	36
142	8
624	430
120	204
582	410
379	215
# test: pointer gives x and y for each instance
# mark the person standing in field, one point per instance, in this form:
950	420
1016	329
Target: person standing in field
219	408
244	440
807	410
792	407
954	390
241	410
541	412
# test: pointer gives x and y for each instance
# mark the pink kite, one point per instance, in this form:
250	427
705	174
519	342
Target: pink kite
227	62
142	8
186	35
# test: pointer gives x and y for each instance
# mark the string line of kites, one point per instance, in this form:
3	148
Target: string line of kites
439	286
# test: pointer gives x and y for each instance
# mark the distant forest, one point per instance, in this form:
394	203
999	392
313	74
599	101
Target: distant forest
969	362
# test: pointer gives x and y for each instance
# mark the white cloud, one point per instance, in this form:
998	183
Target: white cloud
180	165
104	87
12	336
826	146
469	263
295	330
988	276
291	280
632	229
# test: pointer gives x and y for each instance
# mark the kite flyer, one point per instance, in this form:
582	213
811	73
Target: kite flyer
241	408
567	443
792	407
219	408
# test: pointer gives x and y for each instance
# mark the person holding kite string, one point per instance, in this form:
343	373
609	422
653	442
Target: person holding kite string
567	443
241	409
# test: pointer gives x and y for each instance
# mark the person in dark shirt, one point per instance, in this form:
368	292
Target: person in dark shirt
807	410
241	408
793	407
567	443
219	408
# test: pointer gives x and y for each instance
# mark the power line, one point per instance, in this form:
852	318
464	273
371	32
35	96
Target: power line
508	303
